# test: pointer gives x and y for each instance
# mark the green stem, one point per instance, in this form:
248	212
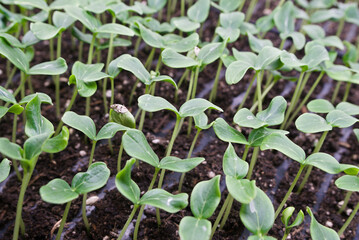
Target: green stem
169	12
137	45
340	27
219	217
336	91
281	46
84	213
247	92
51	41
81	45
291	106
143	113
13	139
24	184
159	64
108	60
129	220
57	77
281	3
89	61
346	224
228	211
194	90
281	205
346	200
183	5
306	98
259	90
250	10
148	62
87	109
92	152
347	90
188	156
253	162
285	235
10	77
135	233
63	220
183	77
119	158
309	169
21	87
213	94
241	5
190	86
72	101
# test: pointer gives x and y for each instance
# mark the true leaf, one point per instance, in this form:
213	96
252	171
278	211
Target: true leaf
162	199
258	215
233	165
176	164
57	143
227	133
312	123
57	191
192	228
205	198
318	231
349	183
4	169
287	214
55	67
33	145
340	119
136	145
94	178
151	103
243	190
125	185
283	144
81	123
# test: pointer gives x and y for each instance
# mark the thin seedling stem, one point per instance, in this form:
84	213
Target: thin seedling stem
253	162
348	221
247	91
228	211
188	156
220	214
57	77
346	201
250	10
72	101
13	139
119	158
290	190
347	90
309	169
129	220
63	220
213	94
259	90
336	91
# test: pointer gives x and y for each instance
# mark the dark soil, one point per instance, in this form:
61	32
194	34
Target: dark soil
110	213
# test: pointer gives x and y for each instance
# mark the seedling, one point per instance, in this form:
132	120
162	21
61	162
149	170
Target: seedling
323	161
318	231
313	123
286	216
136	145
87	126
154	197
205	198
39	133
58	191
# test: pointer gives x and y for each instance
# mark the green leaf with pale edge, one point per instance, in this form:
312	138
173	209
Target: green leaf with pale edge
44	98
115	28
44	31
199	11
283	144
151	103
94	178
196	106
136	145
232	165
340	119
312	123
320	232
175	60
227	133
286	216
258	215
85	18
35	123
151	38
211	52
324	162
11	150
348	108
14	55
88	72
274	114
256	136
6	96
205	198
184	24
243	190
4	169
176	164
348	183
33	145
81	123
258	44
109	130
320	106
125	185
236	71
57	143
57	191
134	66
55	67
192	228
160	198
245	118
